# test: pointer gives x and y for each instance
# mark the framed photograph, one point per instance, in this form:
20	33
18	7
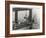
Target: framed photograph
24	18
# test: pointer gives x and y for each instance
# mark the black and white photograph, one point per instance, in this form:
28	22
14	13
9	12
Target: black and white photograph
25	18
22	19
